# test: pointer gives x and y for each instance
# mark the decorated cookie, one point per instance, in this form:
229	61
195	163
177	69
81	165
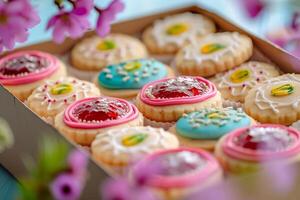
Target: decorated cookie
117	148
181	171
125	79
168	35
276	100
236	83
166	100
23	71
203	128
54	96
244	149
86	118
94	53
213	54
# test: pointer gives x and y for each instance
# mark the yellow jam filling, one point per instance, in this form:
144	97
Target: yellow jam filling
132	66
106	45
240	75
282	90
211	48
177	29
133	140
61	88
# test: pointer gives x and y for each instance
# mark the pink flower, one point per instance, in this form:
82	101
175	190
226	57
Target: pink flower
68	23
78	162
83	7
253	7
295	21
107	16
14	22
66	187
72	23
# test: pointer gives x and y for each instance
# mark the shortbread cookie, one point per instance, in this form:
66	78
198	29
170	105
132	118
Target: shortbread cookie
245	149
213	54
181	172
94	53
236	83
23	71
276	100
86	118
54	96
124	80
168	35
203	128
166	100
121	147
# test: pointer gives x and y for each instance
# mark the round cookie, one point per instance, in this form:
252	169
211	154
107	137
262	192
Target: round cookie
94	53
23	71
86	118
124	80
53	97
168	35
166	100
182	171
244	150
236	83
276	100
121	147
203	128
213	54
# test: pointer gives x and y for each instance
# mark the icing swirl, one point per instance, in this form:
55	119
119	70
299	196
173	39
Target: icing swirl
99	112
179	90
26	67
262	142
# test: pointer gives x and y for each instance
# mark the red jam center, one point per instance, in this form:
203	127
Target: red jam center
180	163
100	110
179	87
23	65
265	139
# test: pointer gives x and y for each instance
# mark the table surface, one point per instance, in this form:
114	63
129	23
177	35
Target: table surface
228	8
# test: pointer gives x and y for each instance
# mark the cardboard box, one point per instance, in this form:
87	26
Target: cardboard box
28	127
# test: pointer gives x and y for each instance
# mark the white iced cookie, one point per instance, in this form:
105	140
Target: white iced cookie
121	147
213	54
54	96
94	53
276	100
236	83
168	35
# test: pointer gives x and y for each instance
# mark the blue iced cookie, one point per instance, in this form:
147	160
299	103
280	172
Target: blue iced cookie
202	129
133	74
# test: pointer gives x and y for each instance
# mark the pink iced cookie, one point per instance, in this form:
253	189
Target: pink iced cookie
180	171
86	118
23	71
166	100
245	149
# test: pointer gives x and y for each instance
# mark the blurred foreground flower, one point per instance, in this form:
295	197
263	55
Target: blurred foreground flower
288	37
72	23
123	188
16	18
6	136
56	174
66	187
253	7
107	16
